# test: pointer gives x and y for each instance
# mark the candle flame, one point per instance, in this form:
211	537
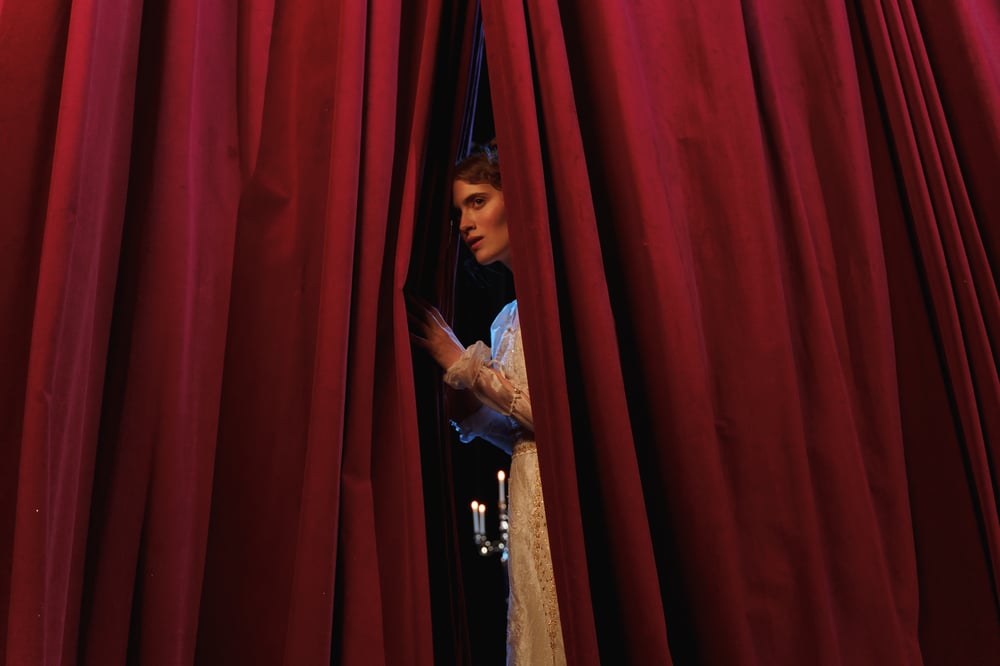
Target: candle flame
482	508
475	506
501	476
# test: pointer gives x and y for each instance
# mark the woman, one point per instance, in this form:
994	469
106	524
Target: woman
495	381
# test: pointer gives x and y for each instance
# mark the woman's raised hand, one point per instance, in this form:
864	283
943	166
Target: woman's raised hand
429	330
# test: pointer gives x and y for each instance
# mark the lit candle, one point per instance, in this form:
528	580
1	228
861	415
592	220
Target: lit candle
482	519
502	479
475	517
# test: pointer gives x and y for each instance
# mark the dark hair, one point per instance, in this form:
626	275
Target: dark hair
480	166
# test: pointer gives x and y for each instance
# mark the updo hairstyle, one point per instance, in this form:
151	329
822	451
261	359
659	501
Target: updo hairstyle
480	166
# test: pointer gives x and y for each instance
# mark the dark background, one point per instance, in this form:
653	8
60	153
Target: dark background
480	292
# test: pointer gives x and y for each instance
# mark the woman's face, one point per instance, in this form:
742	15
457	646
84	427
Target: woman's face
483	221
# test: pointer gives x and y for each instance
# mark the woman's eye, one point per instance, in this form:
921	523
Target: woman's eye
479	202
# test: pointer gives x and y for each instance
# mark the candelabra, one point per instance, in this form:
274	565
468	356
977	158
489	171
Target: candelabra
486	545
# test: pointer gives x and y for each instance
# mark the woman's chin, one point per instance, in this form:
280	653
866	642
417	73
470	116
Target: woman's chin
485	259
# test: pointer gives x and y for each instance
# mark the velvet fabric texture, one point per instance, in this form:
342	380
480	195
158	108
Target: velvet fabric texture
756	250
768	420
210	437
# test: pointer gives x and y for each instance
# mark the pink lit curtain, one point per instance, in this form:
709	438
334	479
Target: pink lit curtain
209	433
768	418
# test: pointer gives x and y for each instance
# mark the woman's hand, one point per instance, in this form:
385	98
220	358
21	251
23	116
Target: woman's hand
429	330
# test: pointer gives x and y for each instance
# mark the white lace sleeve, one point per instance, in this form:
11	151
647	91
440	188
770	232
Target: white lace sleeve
477	371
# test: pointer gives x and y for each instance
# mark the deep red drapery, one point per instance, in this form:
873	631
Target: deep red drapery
208	422
768	420
768	413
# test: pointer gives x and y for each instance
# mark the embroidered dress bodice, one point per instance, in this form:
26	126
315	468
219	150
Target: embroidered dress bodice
497	376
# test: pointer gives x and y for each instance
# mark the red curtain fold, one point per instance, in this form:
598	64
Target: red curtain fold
755	246
212	454
70	306
932	142
756	220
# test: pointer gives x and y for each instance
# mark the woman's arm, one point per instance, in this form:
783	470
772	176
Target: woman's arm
476	371
506	416
429	330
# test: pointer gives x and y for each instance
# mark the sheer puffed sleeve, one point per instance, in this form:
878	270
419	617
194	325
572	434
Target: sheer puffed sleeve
479	373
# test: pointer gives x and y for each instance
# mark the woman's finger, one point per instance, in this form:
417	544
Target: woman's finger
416	301
438	317
424	312
413	304
417	322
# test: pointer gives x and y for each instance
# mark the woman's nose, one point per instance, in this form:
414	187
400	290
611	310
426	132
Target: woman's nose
465	222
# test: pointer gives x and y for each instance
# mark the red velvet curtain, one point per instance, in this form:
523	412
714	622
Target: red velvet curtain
210	437
768	409
768	418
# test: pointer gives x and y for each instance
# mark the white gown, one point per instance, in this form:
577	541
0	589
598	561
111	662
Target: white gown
499	380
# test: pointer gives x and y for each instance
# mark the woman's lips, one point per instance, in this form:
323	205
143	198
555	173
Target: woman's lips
475	242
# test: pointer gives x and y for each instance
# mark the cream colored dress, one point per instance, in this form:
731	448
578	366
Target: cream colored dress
499	380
